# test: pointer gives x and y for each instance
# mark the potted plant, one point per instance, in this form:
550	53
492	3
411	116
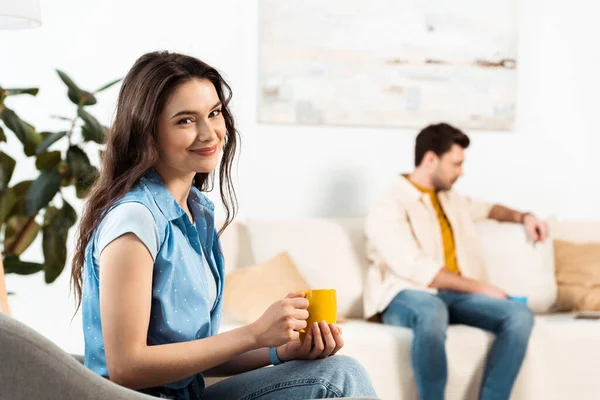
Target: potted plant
37	207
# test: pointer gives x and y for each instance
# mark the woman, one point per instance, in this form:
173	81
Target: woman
148	270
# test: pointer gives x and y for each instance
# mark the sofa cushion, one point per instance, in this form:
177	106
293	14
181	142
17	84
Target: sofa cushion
249	291
575	231
517	265
328	253
577	275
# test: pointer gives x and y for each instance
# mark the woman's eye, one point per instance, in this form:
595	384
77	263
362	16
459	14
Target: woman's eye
185	121
215	113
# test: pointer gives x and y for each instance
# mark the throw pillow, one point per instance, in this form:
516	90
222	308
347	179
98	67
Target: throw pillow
577	275
329	253
249	291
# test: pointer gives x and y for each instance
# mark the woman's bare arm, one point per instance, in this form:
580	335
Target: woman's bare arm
125	298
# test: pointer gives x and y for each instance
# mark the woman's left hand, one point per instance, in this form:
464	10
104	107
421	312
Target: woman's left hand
327	340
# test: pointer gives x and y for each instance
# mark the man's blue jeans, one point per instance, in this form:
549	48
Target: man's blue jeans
428	315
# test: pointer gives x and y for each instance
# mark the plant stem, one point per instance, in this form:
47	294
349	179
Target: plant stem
71	130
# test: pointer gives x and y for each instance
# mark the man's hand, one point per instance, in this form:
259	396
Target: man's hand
490	290
536	229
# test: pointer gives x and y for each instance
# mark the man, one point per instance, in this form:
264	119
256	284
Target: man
426	267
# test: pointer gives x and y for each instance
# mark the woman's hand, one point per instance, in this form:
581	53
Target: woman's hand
280	323
321	341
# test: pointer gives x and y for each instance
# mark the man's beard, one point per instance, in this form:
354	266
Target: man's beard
440	184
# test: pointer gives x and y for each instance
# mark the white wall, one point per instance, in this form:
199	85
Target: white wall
547	164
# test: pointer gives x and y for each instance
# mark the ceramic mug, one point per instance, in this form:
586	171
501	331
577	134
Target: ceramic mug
322	306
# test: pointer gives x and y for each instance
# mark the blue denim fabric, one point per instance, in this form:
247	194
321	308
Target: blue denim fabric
428	315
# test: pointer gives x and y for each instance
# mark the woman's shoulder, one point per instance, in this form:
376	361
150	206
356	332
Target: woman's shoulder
129	217
141	194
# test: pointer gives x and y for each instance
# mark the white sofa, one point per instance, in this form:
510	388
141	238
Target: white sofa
563	359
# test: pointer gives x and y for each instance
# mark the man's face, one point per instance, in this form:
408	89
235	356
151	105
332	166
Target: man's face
448	168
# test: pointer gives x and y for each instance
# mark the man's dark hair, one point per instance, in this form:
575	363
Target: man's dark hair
438	138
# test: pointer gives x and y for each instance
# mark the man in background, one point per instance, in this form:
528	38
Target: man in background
427	269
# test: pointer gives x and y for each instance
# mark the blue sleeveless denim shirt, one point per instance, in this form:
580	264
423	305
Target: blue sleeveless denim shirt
180	310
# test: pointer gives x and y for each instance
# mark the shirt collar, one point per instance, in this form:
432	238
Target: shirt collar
409	190
406	188
165	200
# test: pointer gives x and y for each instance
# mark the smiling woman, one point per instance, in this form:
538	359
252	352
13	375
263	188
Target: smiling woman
148	267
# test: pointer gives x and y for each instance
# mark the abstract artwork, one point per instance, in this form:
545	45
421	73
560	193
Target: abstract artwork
388	63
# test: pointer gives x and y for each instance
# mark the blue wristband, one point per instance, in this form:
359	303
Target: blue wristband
273	356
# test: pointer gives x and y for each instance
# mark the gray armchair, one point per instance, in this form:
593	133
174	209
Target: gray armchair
32	367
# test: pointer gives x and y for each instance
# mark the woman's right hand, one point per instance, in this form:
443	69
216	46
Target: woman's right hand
281	322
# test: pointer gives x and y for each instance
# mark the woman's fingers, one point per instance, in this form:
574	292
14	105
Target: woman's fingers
337	336
328	340
318	341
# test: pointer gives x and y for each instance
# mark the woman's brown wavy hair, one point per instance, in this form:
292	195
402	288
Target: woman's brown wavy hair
131	148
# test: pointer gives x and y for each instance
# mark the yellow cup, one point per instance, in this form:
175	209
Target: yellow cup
322	306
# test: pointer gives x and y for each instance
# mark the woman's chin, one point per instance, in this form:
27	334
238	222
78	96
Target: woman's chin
205	167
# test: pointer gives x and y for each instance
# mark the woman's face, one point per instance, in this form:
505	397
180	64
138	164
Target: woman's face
191	128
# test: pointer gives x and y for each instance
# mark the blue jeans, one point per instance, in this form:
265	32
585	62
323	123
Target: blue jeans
332	377
428	315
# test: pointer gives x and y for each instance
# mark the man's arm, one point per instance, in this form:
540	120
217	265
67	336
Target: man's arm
505	214
446	280
538	230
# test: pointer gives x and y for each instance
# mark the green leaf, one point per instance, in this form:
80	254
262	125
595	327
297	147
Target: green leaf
7	203
68	81
15	124
7	167
12	265
66	178
2	135
54	239
50	140
48	160
45	135
76	95
108	85
92	130
19	234
85	181
25	132
34	139
22	188
81	170
42	191
20	191
13	92
78	161
82	98
67	217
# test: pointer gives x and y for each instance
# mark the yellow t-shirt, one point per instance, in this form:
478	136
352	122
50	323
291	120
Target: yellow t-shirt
447	236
